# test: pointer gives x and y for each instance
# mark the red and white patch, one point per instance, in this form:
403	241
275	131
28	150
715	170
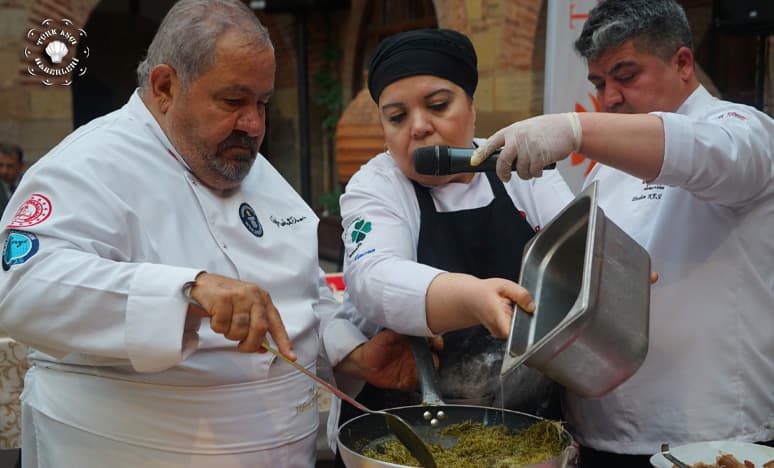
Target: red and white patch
34	211
732	115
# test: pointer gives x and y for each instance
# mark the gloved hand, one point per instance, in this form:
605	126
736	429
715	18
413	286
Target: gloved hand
534	144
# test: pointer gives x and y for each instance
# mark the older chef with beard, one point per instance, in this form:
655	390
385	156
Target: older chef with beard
142	267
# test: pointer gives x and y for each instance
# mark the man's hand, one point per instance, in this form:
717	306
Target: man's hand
533	143
385	361
240	311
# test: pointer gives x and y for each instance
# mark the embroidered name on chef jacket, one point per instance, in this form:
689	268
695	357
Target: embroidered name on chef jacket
18	248
649	192
287	221
250	220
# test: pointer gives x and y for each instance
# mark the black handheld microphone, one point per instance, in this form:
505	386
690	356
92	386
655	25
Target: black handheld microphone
445	160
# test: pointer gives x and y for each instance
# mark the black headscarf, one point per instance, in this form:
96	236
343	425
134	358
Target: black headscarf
440	52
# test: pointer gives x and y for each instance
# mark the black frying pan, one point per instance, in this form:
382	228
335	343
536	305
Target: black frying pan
369	431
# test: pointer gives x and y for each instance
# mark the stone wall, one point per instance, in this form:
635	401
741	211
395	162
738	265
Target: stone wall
33	115
509	36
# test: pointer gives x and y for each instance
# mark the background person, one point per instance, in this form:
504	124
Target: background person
135	212
11	164
690	178
414	261
5	194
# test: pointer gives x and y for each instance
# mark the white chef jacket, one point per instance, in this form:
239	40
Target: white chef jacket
707	221
116	223
381	216
386	287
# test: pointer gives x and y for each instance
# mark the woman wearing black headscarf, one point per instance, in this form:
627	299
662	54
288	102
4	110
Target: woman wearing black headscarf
415	260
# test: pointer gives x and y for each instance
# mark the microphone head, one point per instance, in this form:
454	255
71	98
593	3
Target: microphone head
429	160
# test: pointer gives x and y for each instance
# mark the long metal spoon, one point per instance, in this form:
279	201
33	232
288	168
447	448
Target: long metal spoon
402	429
665	452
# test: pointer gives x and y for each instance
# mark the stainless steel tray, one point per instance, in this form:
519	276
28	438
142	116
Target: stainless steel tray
591	285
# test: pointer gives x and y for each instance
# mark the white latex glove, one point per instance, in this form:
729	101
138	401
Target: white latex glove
533	143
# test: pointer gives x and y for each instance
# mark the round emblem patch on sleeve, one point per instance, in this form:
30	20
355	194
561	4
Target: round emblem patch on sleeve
18	248
250	220
34	211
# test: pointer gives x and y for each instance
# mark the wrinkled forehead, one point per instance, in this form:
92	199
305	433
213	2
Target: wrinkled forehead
610	59
240	63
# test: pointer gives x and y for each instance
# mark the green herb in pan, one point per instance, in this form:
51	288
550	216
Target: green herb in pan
483	446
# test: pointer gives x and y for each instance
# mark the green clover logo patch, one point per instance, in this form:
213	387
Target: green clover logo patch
360	230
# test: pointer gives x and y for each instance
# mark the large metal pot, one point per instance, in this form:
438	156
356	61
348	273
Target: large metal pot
591	285
370	430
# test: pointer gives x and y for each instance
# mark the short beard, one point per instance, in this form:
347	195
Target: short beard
234	170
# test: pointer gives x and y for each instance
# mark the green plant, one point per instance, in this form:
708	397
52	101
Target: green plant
329	204
328	88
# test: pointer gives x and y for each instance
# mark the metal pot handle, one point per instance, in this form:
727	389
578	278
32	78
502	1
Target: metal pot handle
428	380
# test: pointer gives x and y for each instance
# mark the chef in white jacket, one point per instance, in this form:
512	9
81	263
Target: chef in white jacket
149	255
409	263
691	178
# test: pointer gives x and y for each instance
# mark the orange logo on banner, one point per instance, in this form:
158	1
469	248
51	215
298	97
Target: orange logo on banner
576	159
576	16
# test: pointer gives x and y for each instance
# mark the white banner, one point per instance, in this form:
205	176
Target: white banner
566	86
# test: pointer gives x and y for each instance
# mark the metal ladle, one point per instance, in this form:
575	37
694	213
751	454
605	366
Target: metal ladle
398	426
679	463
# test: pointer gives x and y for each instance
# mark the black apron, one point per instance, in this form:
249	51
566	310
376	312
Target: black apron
486	242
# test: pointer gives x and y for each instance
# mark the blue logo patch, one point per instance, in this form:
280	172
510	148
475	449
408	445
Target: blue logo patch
18	248
250	220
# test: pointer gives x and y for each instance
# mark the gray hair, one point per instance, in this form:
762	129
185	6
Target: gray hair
658	27
187	35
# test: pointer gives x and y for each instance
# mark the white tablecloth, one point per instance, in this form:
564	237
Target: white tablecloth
13	365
